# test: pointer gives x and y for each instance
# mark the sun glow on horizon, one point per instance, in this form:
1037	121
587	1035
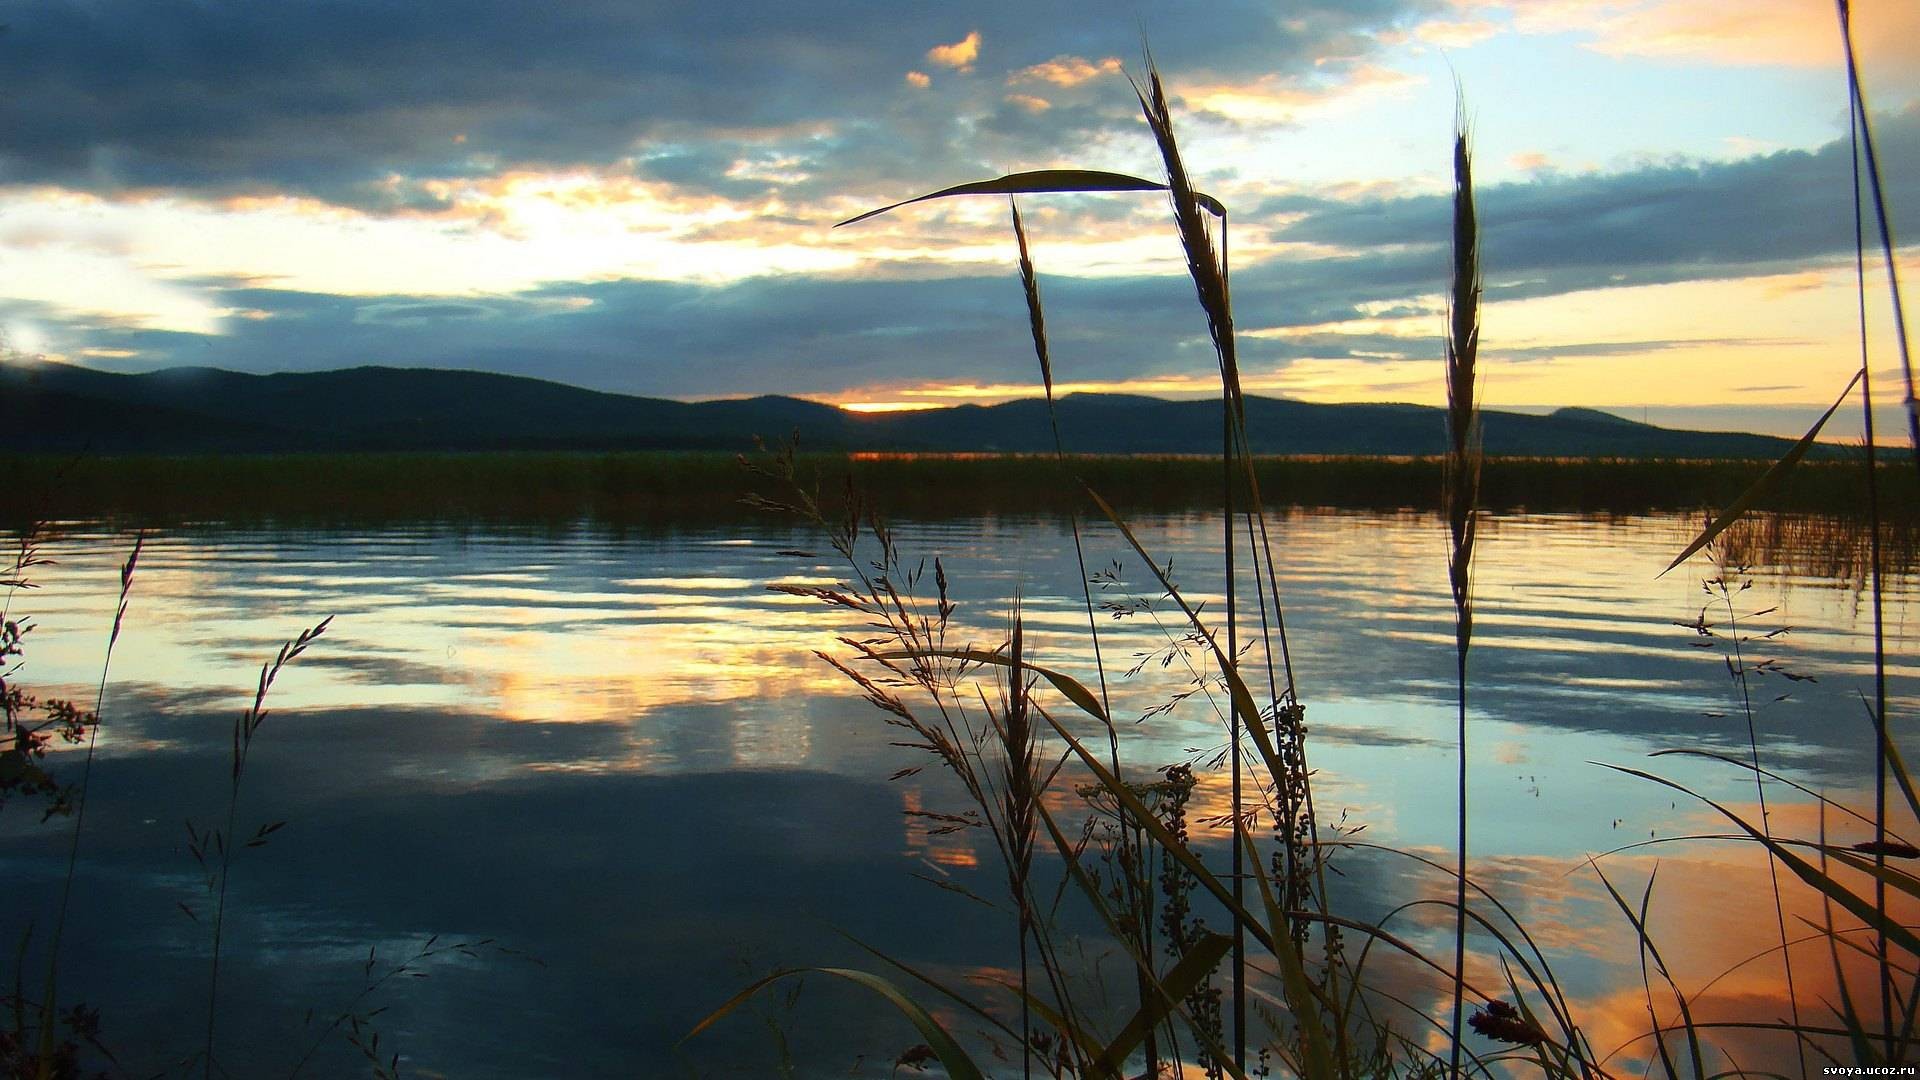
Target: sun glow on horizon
889	406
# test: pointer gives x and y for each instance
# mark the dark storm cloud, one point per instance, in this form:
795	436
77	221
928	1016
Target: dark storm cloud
1659	223
764	335
336	99
942	324
795	335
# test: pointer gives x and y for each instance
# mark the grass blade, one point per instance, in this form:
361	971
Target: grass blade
1647	948
955	1060
1073	689
1300	998
1805	871
1857	105
1898	767
1767	482
1039	181
933	984
1177	983
1071	858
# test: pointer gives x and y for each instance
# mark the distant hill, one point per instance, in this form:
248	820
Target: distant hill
51	407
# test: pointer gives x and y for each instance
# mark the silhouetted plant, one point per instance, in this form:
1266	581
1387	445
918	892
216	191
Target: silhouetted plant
33	723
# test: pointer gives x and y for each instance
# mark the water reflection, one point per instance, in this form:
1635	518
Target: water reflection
615	751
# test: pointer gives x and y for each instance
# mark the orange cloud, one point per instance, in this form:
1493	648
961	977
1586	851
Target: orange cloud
1784	32
919	80
1286	98
1455	34
960	55
1066	70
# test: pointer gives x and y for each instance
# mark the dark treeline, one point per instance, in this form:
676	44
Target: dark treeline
667	487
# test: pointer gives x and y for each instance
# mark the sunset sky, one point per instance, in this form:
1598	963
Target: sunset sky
638	196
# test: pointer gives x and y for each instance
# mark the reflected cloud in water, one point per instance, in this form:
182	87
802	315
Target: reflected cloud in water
616	752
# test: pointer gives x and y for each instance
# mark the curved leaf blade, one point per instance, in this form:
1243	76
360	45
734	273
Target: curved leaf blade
1199	961
1071	688
955	1060
1767	482
1818	879
1036	182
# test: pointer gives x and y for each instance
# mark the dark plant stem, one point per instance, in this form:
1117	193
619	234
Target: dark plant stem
1856	123
1766	821
243	731
1132	844
1462	495
1210	279
1233	742
1862	130
80	808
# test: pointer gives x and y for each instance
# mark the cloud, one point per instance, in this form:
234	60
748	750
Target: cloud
1658	223
908	324
451	112
1456	34
1778	32
799	335
960	55
1067	70
434	313
1590	349
1283	98
369	104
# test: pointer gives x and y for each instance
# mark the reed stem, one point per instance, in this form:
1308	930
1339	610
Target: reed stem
1856	123
1462	497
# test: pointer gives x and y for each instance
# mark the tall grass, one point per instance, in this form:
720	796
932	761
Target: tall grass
1462	510
1323	1013
1322	1038
1860	133
1134	879
52	995
1860	138
213	849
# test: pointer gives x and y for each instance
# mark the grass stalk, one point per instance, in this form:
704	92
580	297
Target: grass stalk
80	814
244	729
1329	1022
1209	274
1760	795
1857	135
1132	847
1462	498
1238	867
1861	129
1019	791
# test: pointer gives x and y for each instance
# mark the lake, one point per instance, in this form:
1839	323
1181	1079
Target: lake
612	754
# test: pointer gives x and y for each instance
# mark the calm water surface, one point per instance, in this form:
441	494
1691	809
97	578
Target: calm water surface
615	755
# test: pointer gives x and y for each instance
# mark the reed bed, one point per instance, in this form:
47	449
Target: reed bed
662	488
1259	941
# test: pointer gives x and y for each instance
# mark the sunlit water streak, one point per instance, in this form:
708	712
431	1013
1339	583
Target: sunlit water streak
615	752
